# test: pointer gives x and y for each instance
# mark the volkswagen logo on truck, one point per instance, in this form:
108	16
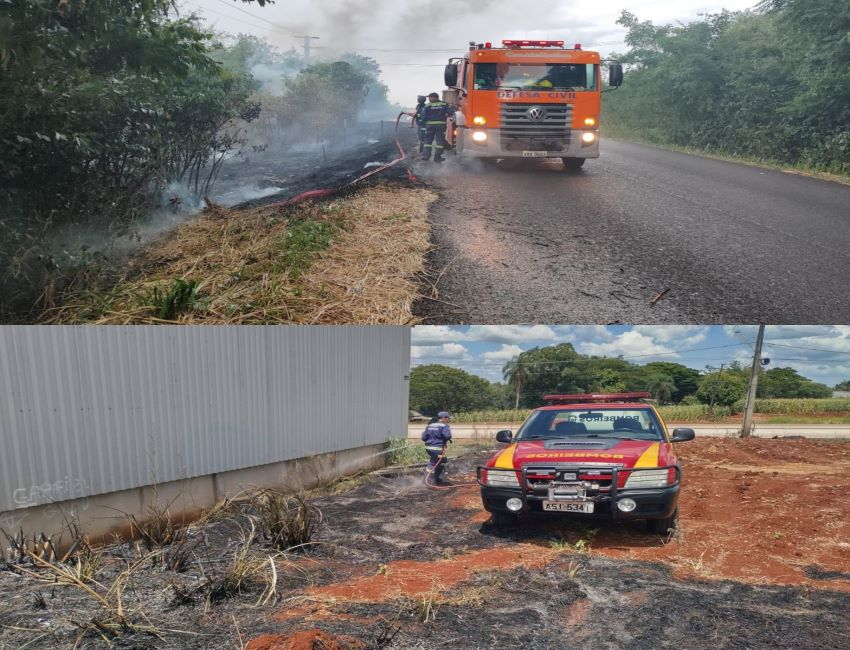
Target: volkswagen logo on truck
536	114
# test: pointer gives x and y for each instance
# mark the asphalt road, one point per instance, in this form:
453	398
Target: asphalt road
523	241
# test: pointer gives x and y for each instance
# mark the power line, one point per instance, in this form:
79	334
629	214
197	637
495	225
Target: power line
260	18
801	347
220	13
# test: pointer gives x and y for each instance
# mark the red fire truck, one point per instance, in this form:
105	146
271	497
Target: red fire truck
533	99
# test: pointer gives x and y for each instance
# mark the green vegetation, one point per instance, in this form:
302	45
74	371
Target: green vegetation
180	298
302	241
787	411
108	109
684	394
769	84
435	388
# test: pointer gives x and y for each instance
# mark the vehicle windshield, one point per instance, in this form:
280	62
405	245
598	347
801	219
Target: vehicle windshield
634	423
535	76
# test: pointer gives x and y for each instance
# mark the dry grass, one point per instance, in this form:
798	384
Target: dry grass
245	266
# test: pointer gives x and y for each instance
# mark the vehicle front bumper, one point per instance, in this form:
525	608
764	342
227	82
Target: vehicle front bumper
493	146
652	503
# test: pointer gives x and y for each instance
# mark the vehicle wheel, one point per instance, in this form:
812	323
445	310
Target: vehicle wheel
573	164
663	526
503	519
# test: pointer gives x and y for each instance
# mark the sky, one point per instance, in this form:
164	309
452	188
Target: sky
414	39
821	353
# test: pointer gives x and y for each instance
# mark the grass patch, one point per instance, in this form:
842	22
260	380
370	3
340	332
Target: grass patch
302	241
354	259
402	451
626	135
286	521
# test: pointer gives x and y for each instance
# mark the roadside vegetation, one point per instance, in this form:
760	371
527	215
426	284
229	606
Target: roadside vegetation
354	259
770	84
682	393
778	411
113	114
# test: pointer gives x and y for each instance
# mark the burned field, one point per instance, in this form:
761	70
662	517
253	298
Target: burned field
760	560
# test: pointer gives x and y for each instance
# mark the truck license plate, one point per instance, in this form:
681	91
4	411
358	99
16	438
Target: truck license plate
535	154
568	506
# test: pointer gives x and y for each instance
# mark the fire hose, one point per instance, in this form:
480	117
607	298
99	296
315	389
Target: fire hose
430	470
319	193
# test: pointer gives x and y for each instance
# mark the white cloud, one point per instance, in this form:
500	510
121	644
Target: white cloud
502	355
456	352
434	335
512	334
683	336
627	344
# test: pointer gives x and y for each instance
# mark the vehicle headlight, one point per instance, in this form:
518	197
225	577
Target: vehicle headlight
479	136
588	136
479	120
652	478
590	121
501	478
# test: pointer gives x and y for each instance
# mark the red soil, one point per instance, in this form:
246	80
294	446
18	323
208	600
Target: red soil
414	578
303	640
753	510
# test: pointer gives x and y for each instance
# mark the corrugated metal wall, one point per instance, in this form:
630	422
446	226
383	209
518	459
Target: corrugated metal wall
89	410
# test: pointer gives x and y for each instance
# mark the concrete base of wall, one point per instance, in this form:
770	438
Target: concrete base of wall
105	515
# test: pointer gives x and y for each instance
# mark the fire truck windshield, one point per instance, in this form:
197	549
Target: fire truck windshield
535	76
595	423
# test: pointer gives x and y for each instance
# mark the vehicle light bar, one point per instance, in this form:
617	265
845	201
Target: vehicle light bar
596	397
513	43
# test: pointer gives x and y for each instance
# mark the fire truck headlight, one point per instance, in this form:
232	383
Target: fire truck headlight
588	136
626	505
479	136
501	478
590	121
513	504
479	120
653	478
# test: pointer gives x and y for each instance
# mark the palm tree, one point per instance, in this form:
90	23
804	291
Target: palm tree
515	374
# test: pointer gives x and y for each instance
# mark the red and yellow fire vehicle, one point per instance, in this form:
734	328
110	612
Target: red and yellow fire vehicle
607	455
528	98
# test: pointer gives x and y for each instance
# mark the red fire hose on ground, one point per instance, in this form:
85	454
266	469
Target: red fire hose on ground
319	193
429	471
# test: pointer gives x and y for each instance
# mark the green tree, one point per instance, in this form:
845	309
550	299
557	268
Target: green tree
435	387
721	388
102	103
684	379
787	382
844	385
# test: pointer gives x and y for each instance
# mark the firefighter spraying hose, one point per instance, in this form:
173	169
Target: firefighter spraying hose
437	436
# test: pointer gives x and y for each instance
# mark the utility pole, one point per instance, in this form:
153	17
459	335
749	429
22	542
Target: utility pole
747	427
306	46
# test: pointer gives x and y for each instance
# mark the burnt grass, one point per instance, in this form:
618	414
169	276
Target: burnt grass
573	600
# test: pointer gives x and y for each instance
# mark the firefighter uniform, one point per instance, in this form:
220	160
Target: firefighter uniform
436	436
435	115
419	120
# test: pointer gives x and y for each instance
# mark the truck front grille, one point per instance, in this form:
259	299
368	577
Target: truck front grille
519	131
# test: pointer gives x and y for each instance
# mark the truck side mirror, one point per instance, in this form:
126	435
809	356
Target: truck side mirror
450	75
505	435
682	435
615	75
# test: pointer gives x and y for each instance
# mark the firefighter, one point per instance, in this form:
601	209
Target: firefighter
419	120
436	437
435	114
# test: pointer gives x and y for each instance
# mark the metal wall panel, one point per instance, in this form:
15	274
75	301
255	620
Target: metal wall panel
88	410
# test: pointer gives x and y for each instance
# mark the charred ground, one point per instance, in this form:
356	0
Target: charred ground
759	561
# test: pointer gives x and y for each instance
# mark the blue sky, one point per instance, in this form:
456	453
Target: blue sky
819	352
